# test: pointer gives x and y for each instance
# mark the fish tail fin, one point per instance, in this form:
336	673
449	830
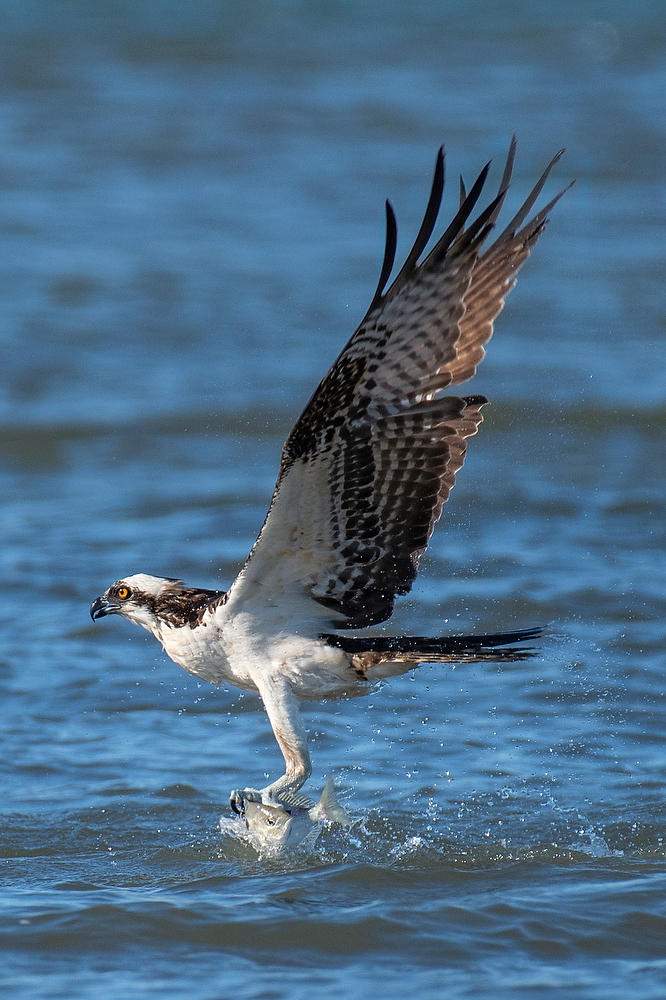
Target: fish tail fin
328	808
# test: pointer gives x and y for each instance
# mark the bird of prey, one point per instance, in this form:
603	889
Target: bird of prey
363	477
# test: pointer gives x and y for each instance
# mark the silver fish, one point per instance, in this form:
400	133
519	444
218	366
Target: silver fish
275	827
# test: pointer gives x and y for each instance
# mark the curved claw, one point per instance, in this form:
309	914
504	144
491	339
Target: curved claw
240	796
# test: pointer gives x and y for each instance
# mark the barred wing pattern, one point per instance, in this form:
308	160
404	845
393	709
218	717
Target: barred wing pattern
374	455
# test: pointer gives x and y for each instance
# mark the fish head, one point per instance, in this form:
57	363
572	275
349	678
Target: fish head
274	827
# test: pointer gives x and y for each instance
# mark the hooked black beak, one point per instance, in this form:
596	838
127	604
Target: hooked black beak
101	607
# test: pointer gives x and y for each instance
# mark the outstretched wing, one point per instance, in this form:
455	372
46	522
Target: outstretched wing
374	455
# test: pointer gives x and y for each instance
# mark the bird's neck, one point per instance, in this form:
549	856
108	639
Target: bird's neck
186	607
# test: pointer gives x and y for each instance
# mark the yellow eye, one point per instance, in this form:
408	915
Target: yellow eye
123	593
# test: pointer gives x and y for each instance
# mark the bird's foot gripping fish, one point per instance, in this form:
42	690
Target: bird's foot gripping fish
273	827
363	478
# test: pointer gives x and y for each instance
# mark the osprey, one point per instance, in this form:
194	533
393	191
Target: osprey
363	477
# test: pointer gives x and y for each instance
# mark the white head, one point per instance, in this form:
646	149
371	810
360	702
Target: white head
141	599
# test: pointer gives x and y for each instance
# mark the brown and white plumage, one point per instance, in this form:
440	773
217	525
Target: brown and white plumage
374	455
363	477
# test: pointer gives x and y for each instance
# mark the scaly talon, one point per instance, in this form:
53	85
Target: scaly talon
240	796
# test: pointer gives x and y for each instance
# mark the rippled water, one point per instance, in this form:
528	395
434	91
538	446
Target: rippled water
191	226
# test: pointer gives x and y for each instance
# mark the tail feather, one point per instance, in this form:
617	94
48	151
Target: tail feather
368	652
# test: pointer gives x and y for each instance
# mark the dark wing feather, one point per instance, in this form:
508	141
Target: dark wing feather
388	481
374	455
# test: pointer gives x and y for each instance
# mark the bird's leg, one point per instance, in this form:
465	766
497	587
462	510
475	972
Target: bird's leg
285	719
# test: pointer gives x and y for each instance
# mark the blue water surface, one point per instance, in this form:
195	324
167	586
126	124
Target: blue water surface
191	226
